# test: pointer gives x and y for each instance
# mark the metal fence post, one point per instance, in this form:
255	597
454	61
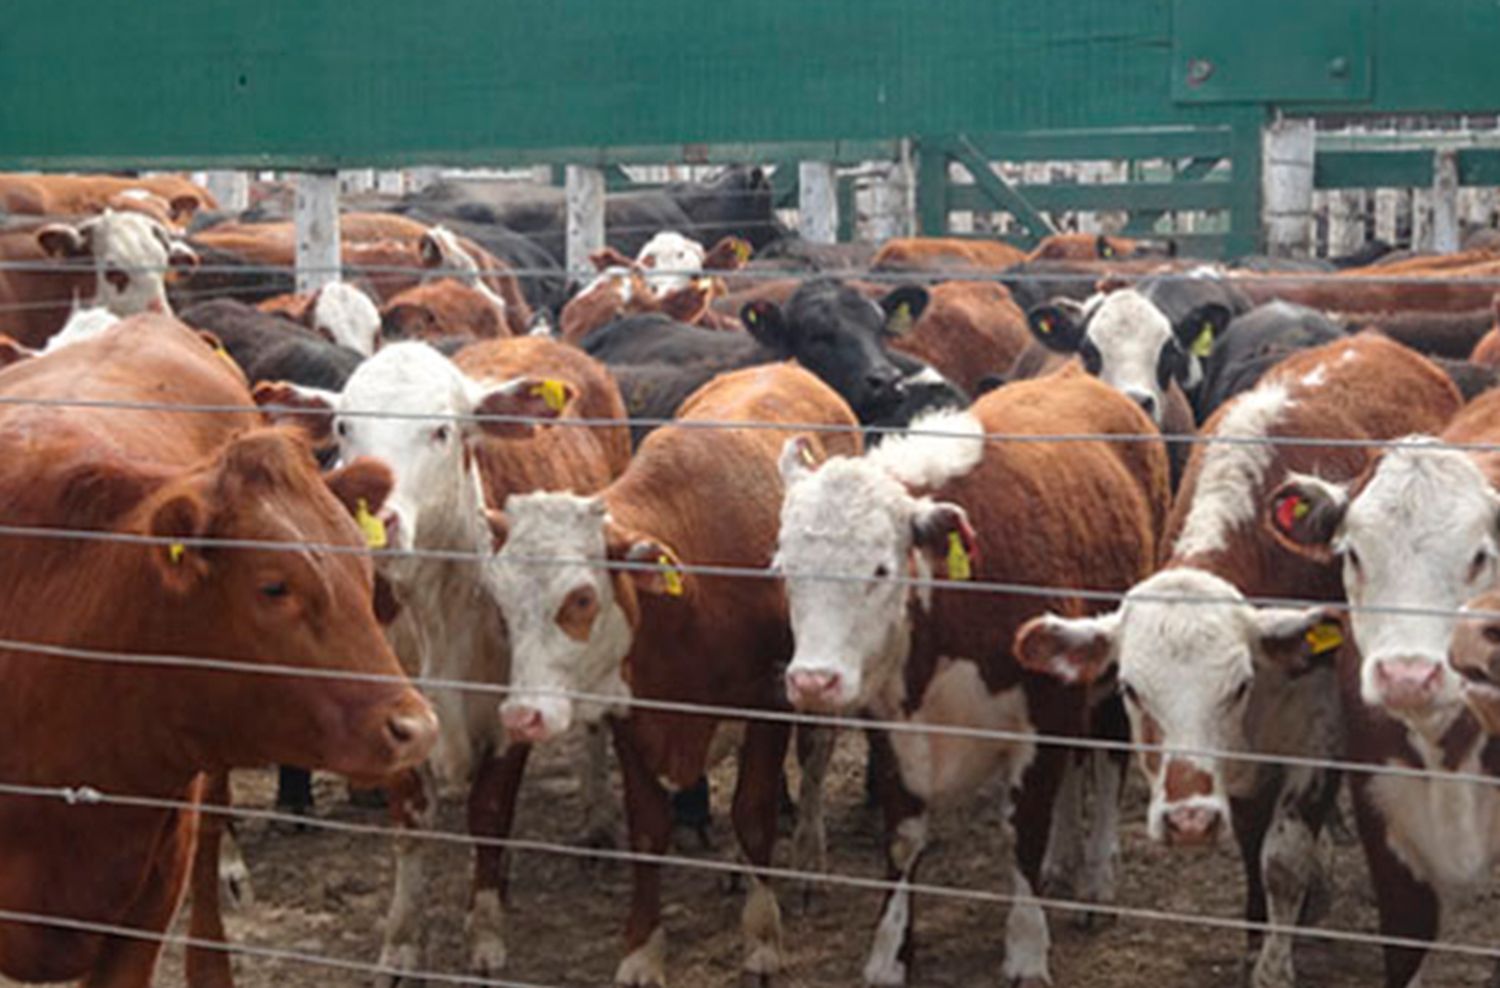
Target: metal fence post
585	226
1445	234
316	217
817	202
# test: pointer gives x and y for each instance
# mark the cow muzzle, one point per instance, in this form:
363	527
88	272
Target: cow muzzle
410	735
815	689
1408	685
529	722
1195	824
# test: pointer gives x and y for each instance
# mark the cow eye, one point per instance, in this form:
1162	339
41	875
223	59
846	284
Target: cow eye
1240	692
1353	558
440	434
1476	568
1131	697
882	571
342	428
275	590
118	278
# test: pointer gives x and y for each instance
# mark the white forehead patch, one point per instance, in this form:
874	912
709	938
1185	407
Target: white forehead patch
348	316
408	377
670	252
1230	479
947	444
1421	493
846	500
1127	319
1172	636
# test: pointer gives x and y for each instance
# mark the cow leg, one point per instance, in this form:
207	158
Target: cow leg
1101	849
1251	818
648	817
492	811
756	809
1063	865
206	967
598	808
413	805
1288	865
1408	906
131	962
1027	940
810	838
892	953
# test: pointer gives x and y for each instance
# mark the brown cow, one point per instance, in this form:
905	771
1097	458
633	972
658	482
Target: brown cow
446	309
969	330
690	496
943	254
170	199
115	261
1098	247
1200	668
1475	656
152	730
1066	514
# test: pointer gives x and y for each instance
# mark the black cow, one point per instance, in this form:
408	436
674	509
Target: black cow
1255	342
270	348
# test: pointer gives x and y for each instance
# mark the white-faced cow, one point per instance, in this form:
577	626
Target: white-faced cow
1203	670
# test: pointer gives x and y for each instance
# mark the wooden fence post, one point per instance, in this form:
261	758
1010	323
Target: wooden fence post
232	189
316	218
817	202
1287	179
585	224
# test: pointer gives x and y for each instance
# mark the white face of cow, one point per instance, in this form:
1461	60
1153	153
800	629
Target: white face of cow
130	254
1191	674
679	257
1420	535
568	629
1128	335
347	316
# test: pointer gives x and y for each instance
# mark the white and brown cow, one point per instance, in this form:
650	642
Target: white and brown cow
1416	538
447	468
1202	669
692	495
1064	514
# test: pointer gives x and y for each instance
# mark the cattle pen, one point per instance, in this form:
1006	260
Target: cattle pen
537	495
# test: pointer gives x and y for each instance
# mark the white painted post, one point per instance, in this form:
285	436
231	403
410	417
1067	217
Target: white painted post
1346	221
316	214
817	202
1445	235
355	181
585	226
889	215
419	178
1421	220
1387	206
1287	185
390	182
232	189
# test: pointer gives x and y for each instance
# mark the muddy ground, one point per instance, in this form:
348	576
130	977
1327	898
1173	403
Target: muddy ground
326	893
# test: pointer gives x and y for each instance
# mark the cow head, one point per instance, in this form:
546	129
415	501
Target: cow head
1200	670
444	309
571	619
1475	657
850	534
130	254
838	334
296	607
1123	339
346	316
672	260
1419	535
407	406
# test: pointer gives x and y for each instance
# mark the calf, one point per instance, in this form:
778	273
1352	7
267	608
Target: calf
968	329
1416	533
446	309
1202	669
339	312
149	730
867	639
115	261
691	496
447	468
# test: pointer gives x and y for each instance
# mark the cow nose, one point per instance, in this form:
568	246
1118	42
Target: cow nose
1193	825
523	723
1146	400
1407	684
811	687
411	735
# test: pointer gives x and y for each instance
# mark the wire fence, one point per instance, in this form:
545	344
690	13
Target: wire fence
84	795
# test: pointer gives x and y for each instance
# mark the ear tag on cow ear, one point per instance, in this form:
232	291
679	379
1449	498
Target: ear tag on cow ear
372	527
671	576
1324	637
224	355
742	250
808	456
1203	345
1106	251
552	392
1044	326
1290	510
959	567
900	320
752	315
175	552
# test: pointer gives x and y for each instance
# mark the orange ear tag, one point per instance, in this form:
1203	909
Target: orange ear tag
1324	637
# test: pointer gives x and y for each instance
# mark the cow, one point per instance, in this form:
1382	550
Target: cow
448	466
968	329
1200	668
150	730
446	309
945	254
116	261
622	291
270	348
169	199
1253	343
692	496
1099	247
339	312
854	535
1474	657
1414	538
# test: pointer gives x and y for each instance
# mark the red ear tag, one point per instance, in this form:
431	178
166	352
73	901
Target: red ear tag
1290	510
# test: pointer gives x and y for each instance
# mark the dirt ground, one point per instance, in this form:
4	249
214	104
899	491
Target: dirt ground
326	893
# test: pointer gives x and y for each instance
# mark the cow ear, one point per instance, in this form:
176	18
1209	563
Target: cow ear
63	240
941	531
362	487
181	567
1057	325
12	352
690	303
655	567
766	323
608	257
1074	650
1201	328
522	398
1296	640
183	208
729	254
903	307
309	409
799	459
181	256
430	250
1304	513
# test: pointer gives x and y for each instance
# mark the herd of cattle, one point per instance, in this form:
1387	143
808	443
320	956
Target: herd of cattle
715	475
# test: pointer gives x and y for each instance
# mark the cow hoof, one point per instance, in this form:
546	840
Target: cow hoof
397	959
645	967
234	878
487	956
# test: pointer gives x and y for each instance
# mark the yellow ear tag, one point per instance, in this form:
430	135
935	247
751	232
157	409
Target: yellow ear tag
742	250
1324	637
175	552
224	355
808	457
670	576
752	316
372	527
1300	509
1044	325
552	392
1204	344
958	558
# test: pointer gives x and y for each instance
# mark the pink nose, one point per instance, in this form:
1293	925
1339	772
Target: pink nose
1192	825
1407	684
811	687
523	723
